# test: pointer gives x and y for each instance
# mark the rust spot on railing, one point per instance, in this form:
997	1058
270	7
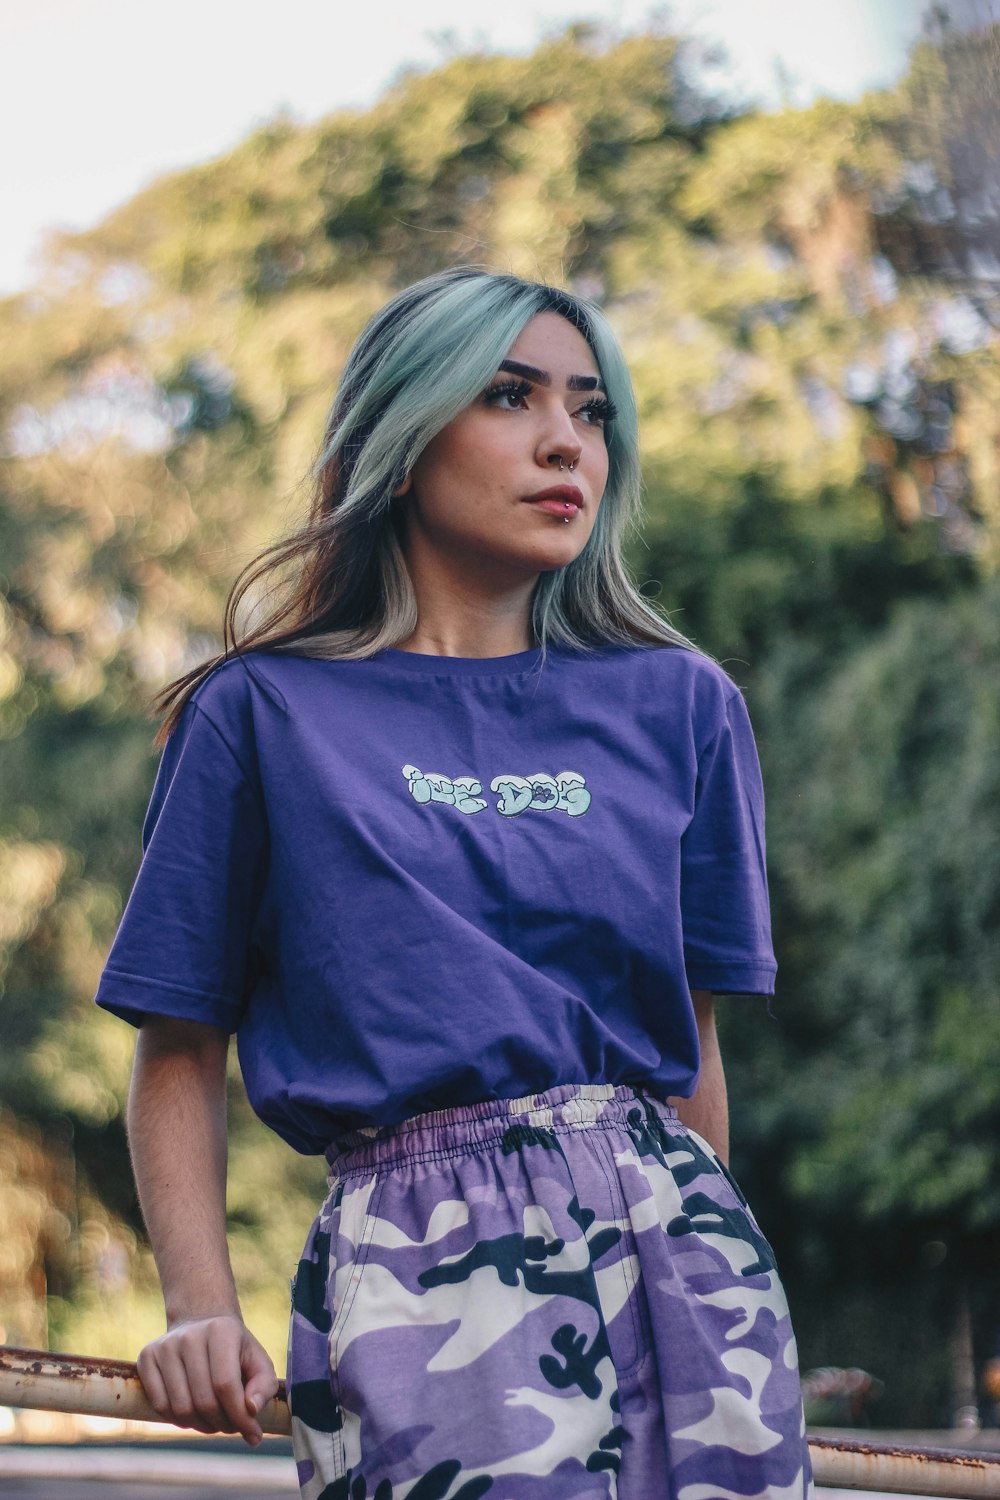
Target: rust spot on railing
956	1456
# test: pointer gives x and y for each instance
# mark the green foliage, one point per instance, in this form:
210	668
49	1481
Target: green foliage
885	840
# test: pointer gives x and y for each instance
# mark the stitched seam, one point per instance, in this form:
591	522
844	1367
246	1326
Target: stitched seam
334	1439
615	1192
337	1331
164	984
338	1446
360	1257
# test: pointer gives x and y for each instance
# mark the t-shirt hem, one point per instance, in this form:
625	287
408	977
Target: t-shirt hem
733	978
133	997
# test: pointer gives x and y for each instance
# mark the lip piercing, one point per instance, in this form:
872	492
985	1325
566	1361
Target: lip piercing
572	466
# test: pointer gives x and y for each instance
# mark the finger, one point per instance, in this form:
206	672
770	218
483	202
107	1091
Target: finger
227	1380
202	1380
259	1375
188	1382
152	1381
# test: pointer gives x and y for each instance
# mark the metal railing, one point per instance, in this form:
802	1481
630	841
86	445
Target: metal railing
43	1381
38	1380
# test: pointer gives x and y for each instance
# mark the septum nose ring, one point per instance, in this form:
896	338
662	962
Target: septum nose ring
572	466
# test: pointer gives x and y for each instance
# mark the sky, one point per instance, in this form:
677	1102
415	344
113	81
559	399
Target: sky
98	97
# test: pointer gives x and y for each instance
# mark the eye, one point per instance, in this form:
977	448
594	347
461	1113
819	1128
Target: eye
599	411
513	392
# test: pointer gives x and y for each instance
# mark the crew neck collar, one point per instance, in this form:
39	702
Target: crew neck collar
419	661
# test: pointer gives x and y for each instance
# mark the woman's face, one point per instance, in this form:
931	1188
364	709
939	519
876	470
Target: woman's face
470	491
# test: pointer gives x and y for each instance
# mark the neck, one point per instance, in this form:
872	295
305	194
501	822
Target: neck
451	640
462	611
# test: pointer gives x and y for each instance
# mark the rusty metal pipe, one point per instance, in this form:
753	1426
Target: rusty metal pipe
899	1470
42	1381
111	1388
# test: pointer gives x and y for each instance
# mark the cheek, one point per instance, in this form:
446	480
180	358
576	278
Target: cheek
602	470
485	441
453	459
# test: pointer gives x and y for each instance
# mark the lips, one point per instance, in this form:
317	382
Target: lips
558	492
561	499
563	508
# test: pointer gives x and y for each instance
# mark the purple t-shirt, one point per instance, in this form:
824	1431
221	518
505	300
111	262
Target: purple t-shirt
413	882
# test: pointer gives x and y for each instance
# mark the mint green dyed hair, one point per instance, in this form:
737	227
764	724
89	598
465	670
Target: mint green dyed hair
426	356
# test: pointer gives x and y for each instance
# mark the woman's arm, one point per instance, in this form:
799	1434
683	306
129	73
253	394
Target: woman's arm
207	1371
707	1110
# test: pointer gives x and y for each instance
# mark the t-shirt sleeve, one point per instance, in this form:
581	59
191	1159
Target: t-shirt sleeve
725	909
183	944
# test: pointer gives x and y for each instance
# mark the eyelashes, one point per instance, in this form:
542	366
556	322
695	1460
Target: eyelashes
600	409
519	388
603	409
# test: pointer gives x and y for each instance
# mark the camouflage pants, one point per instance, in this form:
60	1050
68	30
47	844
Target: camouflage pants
552	1298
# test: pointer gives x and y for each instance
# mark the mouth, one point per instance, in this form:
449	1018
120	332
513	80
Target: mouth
560	500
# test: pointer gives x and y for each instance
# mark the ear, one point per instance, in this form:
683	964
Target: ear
404	488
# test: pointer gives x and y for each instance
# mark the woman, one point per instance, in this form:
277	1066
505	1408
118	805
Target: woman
461	844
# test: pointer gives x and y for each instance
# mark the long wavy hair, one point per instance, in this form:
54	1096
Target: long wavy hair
420	361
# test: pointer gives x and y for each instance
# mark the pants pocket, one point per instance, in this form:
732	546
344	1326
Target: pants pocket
317	1422
350	1242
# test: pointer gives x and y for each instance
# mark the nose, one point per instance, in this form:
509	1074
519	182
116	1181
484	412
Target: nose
564	459
560	442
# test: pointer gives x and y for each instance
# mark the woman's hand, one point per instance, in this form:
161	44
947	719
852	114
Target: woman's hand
210	1374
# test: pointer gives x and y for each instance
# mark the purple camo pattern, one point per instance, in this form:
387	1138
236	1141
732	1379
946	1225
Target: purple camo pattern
561	1297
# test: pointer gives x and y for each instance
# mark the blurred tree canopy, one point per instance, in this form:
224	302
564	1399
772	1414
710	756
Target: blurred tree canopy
809	303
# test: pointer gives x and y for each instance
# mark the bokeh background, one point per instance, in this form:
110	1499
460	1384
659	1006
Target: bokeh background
794	225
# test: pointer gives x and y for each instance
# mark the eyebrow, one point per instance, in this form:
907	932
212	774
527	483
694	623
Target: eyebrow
542	377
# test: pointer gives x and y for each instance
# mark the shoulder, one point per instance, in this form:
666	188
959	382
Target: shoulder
680	679
700	673
237	678
228	694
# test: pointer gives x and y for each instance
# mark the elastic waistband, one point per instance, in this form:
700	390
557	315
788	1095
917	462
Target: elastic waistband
471	1127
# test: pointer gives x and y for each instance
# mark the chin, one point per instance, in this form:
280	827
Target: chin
553	564
542	554
562	544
